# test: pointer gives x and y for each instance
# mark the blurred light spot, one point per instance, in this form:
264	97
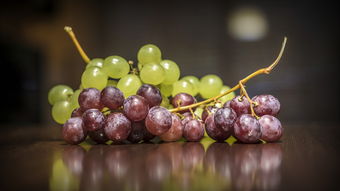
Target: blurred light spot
247	23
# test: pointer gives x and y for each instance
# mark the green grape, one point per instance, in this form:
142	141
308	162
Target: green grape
166	90
195	82
182	86
227	97
129	84
172	71
111	82
97	62
74	99
210	86
165	101
198	112
59	93
61	111
149	53
152	73
116	66
139	66
94	77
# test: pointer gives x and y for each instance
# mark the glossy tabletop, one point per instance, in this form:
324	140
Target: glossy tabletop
307	158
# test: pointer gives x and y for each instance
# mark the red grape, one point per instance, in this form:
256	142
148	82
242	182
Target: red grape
112	97
267	105
215	132
271	128
89	98
98	136
224	118
136	108
73	131
158	120
206	111
240	105
117	127
247	129
151	94
138	131
176	130
187	117
227	104
77	112
183	99
93	119
193	130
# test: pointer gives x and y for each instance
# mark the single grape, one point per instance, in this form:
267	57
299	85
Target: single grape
215	132
240	105
74	99
61	111
172	71
138	131
158	120
151	94
152	73
73	131
193	130
98	136
227	104
271	128
94	77
225	118
117	127
247	129
207	110
267	105
149	53
166	90
182	86
89	98
183	99
136	108
195	82
77	112
227	97
116	67
97	62
187	117
93	120
129	84
112	97
59	93
176	130
210	86
111	82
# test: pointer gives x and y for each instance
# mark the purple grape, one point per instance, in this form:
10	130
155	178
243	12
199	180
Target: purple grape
158	120
136	108
267	105
247	129
206	111
271	128
151	94
117	127
77	112
73	131
89	98
98	136
215	132
240	105
176	130
148	136
187	118
93	119
225	118
227	104
183	99
193	130
111	97
138	131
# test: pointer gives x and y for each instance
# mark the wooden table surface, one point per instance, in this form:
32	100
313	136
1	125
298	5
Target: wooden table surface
307	158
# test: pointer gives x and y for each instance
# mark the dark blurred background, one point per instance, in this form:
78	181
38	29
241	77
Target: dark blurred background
227	38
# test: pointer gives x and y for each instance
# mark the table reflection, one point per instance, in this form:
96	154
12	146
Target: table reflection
168	166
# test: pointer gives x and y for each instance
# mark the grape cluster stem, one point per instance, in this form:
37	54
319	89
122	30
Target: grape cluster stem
240	84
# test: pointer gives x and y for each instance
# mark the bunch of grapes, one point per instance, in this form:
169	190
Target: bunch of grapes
121	102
